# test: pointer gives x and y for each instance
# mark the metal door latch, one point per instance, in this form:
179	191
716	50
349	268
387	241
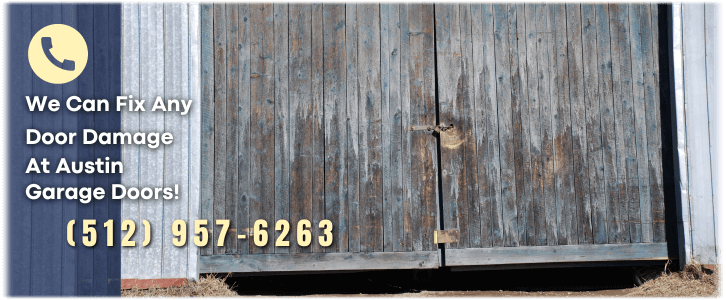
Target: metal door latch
438	128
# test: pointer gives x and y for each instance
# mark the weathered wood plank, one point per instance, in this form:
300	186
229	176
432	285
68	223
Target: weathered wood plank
652	97
220	121
641	140
624	118
506	131
352	152
385	12
301	121
369	135
397	130
406	137
520	104
243	131
453	86
578	122
593	97
560	253
282	123
151	171
537	207
562	126
207	107
262	169
131	122
545	51
336	143
319	262
232	158
318	124
467	115
714	76
195	134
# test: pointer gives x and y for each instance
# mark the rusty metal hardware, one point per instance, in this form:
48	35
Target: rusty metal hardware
438	128
446	236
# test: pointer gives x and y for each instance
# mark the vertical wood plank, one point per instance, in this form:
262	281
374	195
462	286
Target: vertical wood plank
220	121
408	219
385	12
652	102
506	136
318	203
130	123
525	209
207	107
301	120
195	134
609	133
151	160
336	143
21	85
468	115
243	130
535	125
397	175
624	118
579	122
635	12
545	53
369	134
232	68
593	97
351	50
282	123
262	169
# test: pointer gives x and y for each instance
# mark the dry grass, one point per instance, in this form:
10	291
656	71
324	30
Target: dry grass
208	286
694	281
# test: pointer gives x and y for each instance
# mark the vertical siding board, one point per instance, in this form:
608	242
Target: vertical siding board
86	152
232	68
334	81
369	135
592	97
714	76
220	122
151	168
607	119
351	49
649	32
537	166
262	169
17	33
301	120
482	200
70	153
45	260
525	209
385	12
243	130
545	51
451	86
635	12
579	122
207	130
397	175
318	174
408	219
282	123
468	116
113	279
195	125
506	136
696	92
130	123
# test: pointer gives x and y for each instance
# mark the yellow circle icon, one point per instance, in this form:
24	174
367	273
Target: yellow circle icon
57	53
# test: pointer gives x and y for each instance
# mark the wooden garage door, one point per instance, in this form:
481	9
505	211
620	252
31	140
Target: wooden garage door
305	111
556	137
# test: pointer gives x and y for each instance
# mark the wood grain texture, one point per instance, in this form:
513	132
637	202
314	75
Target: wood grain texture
301	121
336	133
352	151
579	125
232	68
281	136
244	223
207	107
220	122
318	202
195	135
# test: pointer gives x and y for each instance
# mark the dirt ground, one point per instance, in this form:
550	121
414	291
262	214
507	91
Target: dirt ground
695	280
